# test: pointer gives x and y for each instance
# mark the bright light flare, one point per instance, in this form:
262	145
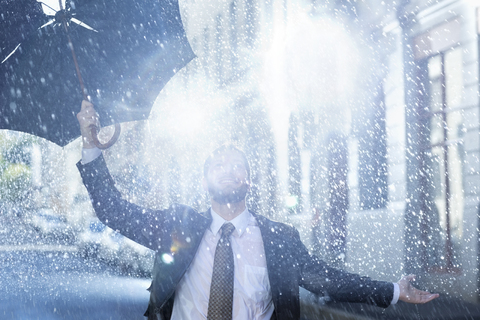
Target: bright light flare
188	119
291	201
321	62
167	258
187	113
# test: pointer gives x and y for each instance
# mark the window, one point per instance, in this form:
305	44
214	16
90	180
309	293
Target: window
445	131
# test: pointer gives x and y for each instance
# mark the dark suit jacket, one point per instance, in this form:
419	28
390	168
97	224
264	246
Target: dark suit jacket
178	230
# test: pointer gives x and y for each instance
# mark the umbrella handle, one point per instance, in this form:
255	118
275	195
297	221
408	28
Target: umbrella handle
103	146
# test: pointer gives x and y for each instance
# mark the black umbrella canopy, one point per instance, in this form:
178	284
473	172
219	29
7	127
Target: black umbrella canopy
126	51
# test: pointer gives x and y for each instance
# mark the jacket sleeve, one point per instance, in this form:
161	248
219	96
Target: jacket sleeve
150	228
317	277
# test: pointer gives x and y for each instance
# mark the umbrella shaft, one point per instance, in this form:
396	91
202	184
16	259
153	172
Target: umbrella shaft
70	44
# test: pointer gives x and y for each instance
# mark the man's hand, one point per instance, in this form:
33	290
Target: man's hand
87	117
410	294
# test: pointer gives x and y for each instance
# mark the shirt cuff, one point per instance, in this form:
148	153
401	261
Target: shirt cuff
88	155
396	293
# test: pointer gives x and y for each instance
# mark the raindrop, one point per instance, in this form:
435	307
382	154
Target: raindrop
13	106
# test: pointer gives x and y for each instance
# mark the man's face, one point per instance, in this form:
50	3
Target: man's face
227	179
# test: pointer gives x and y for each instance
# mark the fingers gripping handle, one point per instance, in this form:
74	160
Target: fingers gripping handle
103	146
90	126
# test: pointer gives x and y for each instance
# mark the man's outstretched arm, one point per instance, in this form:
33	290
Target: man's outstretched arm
342	286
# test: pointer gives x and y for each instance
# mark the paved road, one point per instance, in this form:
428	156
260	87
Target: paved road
60	285
45	279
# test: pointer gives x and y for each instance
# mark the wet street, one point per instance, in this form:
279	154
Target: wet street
39	280
46	284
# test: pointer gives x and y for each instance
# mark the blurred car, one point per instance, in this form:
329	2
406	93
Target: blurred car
100	242
53	227
136	260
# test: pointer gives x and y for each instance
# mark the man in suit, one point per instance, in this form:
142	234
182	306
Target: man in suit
260	263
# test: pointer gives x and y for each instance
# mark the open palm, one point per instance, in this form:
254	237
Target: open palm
410	294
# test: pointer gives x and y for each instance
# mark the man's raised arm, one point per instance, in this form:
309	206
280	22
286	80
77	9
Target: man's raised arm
140	224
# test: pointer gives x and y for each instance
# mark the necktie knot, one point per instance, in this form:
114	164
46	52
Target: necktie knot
227	230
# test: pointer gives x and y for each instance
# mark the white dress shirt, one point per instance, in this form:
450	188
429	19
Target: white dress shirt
252	298
88	155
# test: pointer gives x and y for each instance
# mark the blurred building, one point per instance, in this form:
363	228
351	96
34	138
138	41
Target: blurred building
362	119
409	202
430	102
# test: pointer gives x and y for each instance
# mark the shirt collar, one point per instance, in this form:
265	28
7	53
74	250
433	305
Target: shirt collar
240	222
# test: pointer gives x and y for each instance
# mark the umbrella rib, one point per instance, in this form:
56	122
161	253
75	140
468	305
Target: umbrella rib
11	53
47	24
83	24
